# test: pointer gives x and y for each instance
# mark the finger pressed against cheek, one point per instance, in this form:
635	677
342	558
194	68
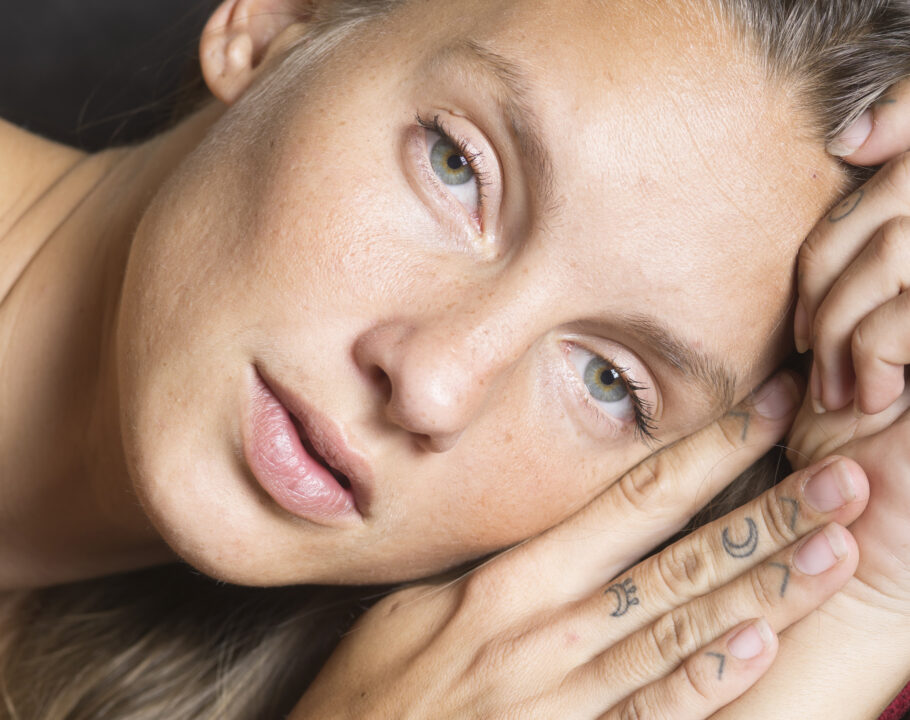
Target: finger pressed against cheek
833	490
649	503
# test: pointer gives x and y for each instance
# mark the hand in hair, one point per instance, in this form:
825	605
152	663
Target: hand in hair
560	627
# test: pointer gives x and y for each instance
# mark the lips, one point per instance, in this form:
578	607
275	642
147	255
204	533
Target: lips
300	458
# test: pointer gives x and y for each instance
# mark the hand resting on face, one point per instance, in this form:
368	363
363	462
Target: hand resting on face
557	627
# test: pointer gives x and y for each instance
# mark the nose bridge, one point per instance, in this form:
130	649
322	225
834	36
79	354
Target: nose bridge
442	363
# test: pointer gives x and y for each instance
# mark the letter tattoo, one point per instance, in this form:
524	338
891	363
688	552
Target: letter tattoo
783	585
743	549
794	509
625	596
720	667
846	208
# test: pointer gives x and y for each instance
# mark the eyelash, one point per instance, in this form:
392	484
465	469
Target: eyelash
645	424
475	159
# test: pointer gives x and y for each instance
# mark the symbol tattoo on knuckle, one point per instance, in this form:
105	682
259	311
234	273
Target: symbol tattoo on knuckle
794	510
625	593
743	549
847	207
721	658
786	569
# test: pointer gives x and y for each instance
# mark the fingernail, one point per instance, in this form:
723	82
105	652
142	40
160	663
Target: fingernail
776	398
751	641
815	388
821	552
853	138
831	488
801	328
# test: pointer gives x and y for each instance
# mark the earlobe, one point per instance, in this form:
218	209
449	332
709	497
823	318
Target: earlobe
240	36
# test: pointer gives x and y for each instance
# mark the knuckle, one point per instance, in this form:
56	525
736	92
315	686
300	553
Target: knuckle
674	636
810	257
633	709
897	176
730	433
821	328
766	595
641	487
495	657
891	241
698	682
682	568
777	518
862	344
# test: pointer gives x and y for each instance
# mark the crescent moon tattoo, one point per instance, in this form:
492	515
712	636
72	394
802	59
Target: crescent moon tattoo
846	208
625	596
743	549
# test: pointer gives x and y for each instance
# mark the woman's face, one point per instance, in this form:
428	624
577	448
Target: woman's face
481	321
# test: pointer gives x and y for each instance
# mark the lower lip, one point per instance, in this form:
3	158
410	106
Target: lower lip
285	470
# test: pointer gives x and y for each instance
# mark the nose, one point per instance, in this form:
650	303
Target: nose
435	374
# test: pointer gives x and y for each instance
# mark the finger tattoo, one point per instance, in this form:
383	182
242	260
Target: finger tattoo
746	418
720	663
786	569
742	549
625	596
794	510
847	207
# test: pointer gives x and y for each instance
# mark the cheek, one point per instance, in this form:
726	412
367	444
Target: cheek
525	477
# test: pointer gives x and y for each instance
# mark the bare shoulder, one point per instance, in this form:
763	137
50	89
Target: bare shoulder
31	164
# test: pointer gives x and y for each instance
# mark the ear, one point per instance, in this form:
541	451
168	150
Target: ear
241	35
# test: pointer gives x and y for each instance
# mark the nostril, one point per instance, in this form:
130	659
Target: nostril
381	381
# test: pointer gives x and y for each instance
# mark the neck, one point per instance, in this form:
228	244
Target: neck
69	511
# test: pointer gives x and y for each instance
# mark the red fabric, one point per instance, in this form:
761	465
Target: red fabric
900	706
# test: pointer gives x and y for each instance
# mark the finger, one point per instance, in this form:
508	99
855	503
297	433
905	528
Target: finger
835	490
838	239
881	349
882	134
879	274
644	507
783	590
713	677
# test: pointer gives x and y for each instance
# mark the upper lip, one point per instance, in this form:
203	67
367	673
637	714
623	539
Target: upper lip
329	442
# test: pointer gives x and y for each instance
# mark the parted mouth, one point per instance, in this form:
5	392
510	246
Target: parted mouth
342	479
326	443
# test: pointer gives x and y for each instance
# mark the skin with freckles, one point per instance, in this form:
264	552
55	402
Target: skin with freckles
309	236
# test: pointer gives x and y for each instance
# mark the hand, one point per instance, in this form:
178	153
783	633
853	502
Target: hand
852	309
848	659
855	315
541	631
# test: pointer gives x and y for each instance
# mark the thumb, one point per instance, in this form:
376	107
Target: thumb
880	133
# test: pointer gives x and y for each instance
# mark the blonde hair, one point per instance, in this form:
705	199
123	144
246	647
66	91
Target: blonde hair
170	643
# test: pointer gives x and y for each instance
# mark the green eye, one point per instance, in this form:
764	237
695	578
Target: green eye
605	382
449	164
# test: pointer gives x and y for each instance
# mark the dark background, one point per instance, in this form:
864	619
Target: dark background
94	73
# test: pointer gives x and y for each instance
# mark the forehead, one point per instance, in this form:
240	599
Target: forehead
678	166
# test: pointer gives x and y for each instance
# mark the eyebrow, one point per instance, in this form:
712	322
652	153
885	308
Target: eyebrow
513	85
715	376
